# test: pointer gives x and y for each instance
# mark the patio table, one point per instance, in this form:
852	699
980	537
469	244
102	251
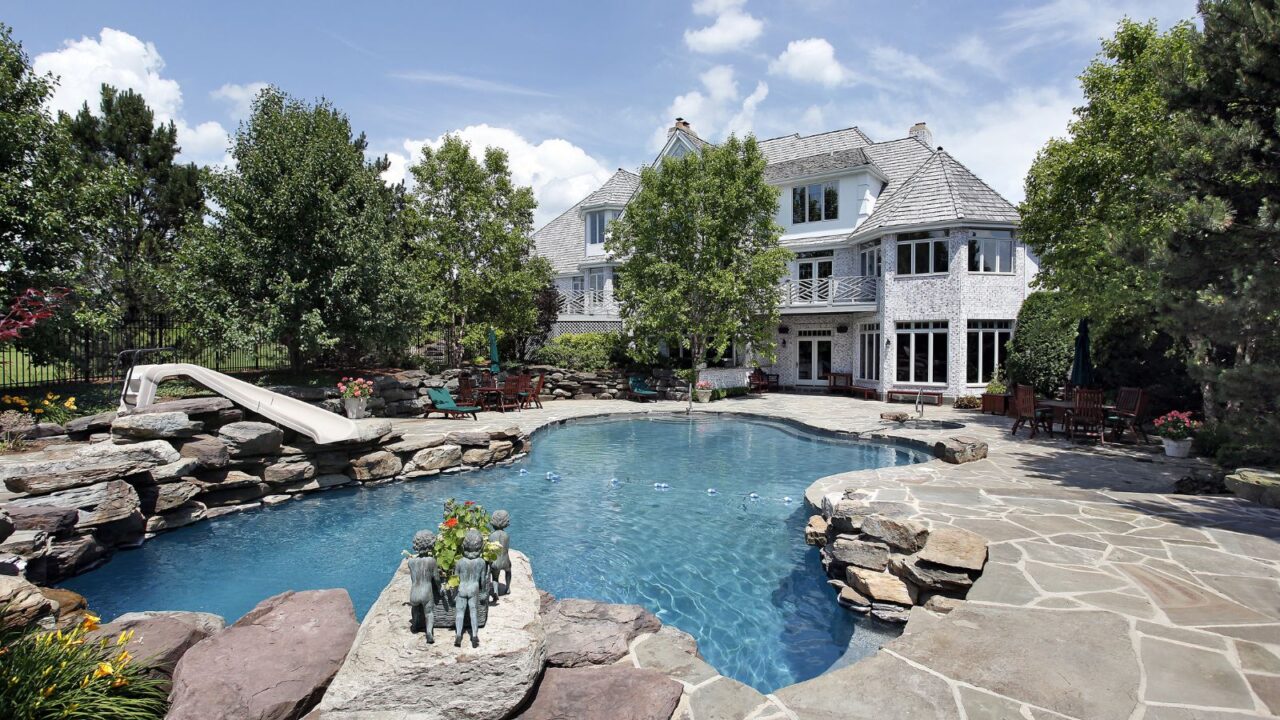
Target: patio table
485	395
1060	408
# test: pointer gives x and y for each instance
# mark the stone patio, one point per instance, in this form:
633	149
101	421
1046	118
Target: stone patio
1104	596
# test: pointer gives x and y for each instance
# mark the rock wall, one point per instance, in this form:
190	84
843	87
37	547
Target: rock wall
175	463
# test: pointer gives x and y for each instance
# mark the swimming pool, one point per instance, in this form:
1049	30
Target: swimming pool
731	570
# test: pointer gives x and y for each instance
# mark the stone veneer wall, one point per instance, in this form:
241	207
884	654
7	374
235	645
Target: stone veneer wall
179	462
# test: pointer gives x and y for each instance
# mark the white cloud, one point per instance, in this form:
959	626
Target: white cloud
975	52
559	172
1085	21
813	120
466	82
720	83
894	64
239	97
122	60
743	122
732	29
812	61
715	110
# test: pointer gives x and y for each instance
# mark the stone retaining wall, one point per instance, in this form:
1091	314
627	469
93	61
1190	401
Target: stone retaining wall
175	463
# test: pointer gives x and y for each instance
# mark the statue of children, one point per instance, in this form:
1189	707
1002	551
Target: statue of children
425	576
472	575
500	521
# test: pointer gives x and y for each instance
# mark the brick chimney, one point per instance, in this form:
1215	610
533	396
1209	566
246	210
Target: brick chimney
682	124
921	132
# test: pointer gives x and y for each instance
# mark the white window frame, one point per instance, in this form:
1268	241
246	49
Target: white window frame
929	244
914	332
986	331
803	190
597	225
869	352
987	245
870	257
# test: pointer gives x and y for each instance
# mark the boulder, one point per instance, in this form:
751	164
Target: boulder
880	586
477	456
251	438
157	499
375	466
178	517
224	479
851	550
159	639
197	408
815	531
414	443
474	438
89	465
185	467
28	543
273	663
393	673
847	515
209	451
1256	485
956	548
97	504
7	526
618	692
500	449
587	632
126	531
22	602
234	496
288	472
960	449
69	557
91	424
905	535
155	426
438	457
928	576
57	521
319	482
69	606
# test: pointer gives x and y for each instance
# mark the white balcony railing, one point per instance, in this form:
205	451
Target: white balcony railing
588	302
830	291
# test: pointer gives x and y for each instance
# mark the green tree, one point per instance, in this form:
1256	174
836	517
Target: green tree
158	197
305	245
1219	267
472	228
700	254
1043	343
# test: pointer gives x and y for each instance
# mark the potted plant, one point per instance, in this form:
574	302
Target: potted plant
995	399
703	391
355	395
458	519
1176	429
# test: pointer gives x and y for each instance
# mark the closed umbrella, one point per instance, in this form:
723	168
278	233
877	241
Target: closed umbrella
1082	365
493	351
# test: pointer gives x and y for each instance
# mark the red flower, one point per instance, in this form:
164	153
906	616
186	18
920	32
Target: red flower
451	522
469	503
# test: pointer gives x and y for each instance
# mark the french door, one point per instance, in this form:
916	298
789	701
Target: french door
813	357
812	275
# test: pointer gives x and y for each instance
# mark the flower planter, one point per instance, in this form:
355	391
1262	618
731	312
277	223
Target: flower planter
996	404
354	407
1177	448
446	609
703	396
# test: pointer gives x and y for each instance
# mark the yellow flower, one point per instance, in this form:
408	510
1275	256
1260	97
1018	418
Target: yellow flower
39	411
90	622
48	691
104	669
118	682
123	658
7	400
85	681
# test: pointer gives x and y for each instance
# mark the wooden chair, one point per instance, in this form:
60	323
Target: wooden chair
1130	413
760	381
442	402
465	388
530	396
1086	414
1025	411
510	393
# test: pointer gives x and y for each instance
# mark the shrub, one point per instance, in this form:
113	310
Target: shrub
581	351
61	674
729	392
997	386
967	402
458	519
1043	344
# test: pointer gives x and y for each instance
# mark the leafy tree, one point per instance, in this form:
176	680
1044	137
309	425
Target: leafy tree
156	199
1220	267
305	245
1043	343
471	228
700	254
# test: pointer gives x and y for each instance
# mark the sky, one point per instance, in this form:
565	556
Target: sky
575	90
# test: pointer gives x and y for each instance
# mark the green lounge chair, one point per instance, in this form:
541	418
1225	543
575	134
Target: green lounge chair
442	402
640	390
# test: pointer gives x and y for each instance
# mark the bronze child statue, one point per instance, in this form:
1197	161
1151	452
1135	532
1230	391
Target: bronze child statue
425	576
473	575
502	564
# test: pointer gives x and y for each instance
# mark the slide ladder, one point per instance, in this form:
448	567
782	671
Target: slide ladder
320	425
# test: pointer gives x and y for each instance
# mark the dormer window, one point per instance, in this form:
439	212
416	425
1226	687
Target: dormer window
598	225
813	203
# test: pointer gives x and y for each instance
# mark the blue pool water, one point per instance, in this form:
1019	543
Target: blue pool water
732	571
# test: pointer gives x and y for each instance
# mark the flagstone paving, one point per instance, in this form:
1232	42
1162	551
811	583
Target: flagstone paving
1104	594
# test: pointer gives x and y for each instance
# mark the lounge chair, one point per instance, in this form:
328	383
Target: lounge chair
640	390
442	402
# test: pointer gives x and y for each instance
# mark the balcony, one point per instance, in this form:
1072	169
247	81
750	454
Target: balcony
588	304
830	294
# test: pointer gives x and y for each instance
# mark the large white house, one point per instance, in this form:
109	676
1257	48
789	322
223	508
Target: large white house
908	273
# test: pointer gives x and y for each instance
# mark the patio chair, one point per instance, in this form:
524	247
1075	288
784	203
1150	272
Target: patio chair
1025	411
464	389
530	396
511	388
760	381
640	390
1086	414
1130	413
442	402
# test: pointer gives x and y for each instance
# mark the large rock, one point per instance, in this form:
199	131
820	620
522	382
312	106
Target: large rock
57	521
902	534
587	632
209	451
224	479
251	438
815	531
97	504
178	517
618	692
69	557
234	496
21	603
89	465
91	424
273	663
160	639
960	449
174	471
163	498
392	673
850	550
375	466
7	526
955	547
930	576
1260	486
474	438
288	472
438	457
155	426
206	409
880	586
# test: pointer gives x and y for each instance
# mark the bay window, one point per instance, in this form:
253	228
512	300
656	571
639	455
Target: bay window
993	254
986	346
923	254
922	352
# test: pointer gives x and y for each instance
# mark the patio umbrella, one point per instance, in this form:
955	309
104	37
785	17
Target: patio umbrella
493	351
1082	366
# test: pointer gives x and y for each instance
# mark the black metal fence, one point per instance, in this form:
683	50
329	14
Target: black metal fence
89	356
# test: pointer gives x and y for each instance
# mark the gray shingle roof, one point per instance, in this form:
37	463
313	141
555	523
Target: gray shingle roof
816	164
940	190
563	240
790	147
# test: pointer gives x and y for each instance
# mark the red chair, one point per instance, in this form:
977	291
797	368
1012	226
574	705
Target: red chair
510	399
464	388
531	397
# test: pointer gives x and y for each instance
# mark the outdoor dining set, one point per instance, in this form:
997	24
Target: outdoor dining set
1083	412
491	392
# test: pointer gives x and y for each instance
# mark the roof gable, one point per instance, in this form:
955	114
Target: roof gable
940	190
616	191
563	240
